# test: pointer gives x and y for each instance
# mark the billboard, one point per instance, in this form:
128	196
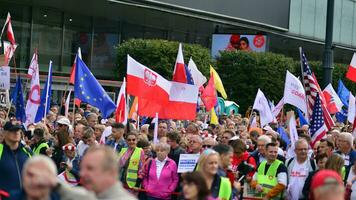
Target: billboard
232	42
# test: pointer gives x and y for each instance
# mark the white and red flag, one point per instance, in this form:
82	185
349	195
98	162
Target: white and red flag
351	112
9	51
333	102
10	32
66	105
121	108
34	97
179	73
351	73
294	92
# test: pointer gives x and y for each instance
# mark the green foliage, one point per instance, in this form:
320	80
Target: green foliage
160	55
243	73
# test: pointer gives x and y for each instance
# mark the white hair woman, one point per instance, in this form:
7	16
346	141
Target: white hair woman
160	175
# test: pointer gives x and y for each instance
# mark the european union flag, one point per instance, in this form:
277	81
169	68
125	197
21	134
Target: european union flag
343	93
341	116
45	96
89	90
189	75
283	135
302	120
17	100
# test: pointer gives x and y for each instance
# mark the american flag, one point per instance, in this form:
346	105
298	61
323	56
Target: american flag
317	127
312	88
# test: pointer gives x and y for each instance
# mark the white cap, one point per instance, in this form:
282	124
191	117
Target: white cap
64	121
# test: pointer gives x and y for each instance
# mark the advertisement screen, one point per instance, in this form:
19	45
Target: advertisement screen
232	42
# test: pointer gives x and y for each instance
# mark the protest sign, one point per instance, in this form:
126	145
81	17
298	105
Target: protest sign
187	162
4	78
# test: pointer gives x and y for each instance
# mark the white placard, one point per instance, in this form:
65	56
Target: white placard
187	162
5	78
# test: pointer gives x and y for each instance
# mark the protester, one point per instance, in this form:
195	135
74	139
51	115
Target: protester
98	131
270	180
13	156
241	158
260	154
175	151
61	138
40	145
63	124
325	146
298	169
195	187
162	129
320	161
351	181
345	142
327	185
78	132
208	164
87	141
336	162
160	177
117	140
132	159
31	188
69	167
226	136
208	143
92	120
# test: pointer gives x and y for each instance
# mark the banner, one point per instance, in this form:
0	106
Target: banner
294	92
5	78
187	162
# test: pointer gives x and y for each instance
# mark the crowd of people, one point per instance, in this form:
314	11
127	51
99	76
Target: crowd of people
83	156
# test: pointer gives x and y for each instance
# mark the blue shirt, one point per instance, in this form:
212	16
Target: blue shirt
121	144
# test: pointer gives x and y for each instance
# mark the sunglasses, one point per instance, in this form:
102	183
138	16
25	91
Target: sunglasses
207	146
131	140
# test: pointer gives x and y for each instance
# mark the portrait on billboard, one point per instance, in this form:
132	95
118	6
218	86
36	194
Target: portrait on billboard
236	42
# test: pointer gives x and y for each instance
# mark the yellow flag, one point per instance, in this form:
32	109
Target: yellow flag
218	83
213	117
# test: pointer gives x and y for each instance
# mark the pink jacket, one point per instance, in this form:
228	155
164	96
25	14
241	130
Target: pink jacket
167	182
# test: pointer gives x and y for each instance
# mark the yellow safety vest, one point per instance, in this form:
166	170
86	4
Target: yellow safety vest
37	150
23	149
132	169
268	180
225	189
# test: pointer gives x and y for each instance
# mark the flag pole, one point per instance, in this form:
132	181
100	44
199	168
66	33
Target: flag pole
301	68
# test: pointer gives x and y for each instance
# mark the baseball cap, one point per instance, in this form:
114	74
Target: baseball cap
9	126
64	121
326	177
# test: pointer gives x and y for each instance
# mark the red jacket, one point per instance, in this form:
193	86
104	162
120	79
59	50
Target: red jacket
245	157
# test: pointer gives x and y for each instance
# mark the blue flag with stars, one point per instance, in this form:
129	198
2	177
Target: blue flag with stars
343	93
302	119
89	90
17	100
45	96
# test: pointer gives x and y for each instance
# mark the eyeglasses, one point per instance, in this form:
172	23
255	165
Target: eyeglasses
207	146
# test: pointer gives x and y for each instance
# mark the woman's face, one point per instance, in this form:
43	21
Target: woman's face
211	165
161	154
132	141
190	190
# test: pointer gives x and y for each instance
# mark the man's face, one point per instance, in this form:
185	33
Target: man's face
93	176
301	151
226	159
261	147
117	133
92	121
195	145
323	148
13	136
208	143
162	129
191	130
225	138
78	132
32	188
272	153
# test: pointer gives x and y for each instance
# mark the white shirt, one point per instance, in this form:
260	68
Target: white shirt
350	178
297	178
81	147
159	166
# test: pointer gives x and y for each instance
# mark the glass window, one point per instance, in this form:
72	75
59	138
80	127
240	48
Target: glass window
106	37
47	37
77	33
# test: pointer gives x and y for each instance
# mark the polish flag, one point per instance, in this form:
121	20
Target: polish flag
9	51
333	102
72	72
182	103
351	73
351	113
34	97
145	83
121	110
179	74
